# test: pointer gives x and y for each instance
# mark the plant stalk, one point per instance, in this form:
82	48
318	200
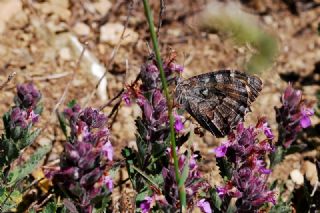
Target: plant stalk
147	10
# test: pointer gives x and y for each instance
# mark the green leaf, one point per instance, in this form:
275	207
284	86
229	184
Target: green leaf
50	207
8	152
113	172
32	210
72	103
225	167
62	122
17	133
276	157
130	158
185	173
281	207
6	120
28	140
21	171
142	195
216	200
8	203
231	208
2	190
141	144
101	201
295	148
39	108
273	185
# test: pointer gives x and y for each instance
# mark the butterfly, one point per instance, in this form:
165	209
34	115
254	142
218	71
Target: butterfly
218	100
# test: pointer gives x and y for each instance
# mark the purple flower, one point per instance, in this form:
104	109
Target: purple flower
178	125
204	206
246	154
108	181
292	116
254	189
27	96
148	111
87	154
175	67
18	118
34	117
73	112
291	97
305	117
220	151
267	131
126	98
93	118
147	204
150	76
107	149
228	190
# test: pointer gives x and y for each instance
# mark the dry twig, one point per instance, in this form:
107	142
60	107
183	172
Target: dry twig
162	10
113	54
10	77
61	100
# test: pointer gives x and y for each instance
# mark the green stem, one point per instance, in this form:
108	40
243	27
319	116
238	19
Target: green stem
154	39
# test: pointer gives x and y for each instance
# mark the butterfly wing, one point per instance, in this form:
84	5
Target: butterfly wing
219	100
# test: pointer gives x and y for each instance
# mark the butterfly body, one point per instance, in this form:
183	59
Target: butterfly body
218	100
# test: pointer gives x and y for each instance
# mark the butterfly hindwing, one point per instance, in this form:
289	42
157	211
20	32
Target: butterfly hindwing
219	100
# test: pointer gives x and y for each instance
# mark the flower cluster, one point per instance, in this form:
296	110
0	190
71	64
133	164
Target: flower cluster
26	112
152	102
18	123
246	154
27	96
194	184
292	116
88	153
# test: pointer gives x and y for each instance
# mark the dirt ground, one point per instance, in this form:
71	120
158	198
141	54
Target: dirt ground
41	42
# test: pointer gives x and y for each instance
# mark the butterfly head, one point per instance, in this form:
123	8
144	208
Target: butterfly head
181	91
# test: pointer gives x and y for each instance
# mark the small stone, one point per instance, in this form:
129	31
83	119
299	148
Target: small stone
19	21
116	127
57	27
125	112
174	32
44	141
3	50
136	110
61	3
102	6
297	176
207	138
111	33
310	172
9	8
133	145
57	9
2	27
65	54
81	29
129	130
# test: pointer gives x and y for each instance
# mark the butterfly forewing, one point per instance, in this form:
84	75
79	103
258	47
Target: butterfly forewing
219	100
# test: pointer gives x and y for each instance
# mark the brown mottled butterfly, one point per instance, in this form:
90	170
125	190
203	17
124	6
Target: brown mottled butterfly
218	100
